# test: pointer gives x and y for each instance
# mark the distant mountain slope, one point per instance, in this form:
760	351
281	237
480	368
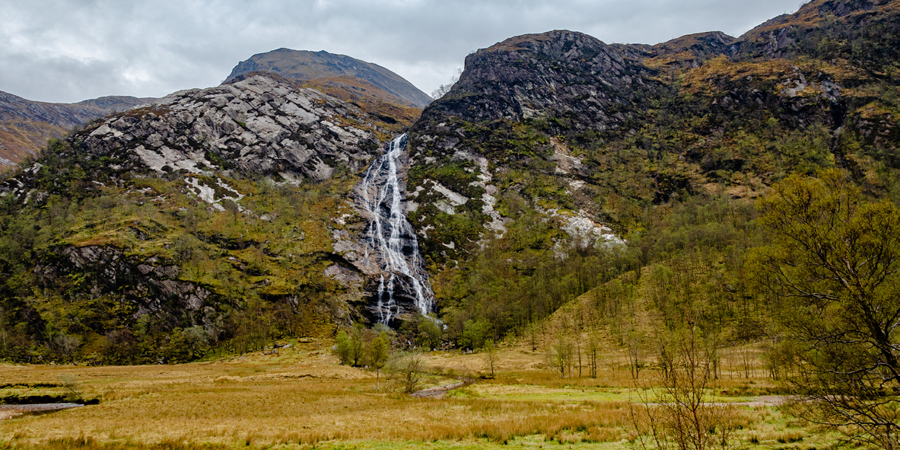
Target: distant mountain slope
306	65
25	126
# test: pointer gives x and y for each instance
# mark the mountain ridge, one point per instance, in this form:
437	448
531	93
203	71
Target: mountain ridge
567	135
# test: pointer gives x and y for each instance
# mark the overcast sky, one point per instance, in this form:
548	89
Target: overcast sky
72	50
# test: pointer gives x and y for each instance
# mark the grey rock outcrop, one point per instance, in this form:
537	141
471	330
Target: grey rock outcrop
258	125
532	76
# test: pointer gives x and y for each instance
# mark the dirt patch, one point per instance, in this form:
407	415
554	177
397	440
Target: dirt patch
11	411
438	391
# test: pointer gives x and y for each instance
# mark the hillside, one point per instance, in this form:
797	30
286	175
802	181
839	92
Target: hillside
220	211
306	66
556	141
226	217
25	126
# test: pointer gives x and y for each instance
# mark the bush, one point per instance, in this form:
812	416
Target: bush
474	333
185	345
406	370
342	347
429	333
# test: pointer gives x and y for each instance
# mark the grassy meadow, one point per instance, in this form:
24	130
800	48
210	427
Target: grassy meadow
302	397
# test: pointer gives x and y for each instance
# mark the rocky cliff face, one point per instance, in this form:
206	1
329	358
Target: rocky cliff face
259	125
560	73
143	286
467	146
864	31
689	51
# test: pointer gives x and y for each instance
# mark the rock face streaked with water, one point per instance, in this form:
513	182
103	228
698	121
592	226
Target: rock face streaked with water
390	240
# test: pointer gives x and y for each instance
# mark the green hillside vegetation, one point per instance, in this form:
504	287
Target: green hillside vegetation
754	184
264	269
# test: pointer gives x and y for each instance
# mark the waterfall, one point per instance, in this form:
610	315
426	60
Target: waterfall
391	237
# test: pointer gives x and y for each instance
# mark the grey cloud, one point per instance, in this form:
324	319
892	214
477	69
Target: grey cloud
70	51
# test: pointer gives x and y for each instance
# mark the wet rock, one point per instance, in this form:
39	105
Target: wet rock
390	242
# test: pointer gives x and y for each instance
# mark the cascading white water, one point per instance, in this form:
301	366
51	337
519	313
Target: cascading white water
387	232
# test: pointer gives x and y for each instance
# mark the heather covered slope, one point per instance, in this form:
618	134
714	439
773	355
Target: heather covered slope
25	126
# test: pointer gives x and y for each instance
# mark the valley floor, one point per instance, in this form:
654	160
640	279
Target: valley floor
302	398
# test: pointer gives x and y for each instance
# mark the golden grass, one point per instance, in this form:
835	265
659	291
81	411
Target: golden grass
719	75
303	398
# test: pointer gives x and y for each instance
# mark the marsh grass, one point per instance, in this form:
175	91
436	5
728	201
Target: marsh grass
305	399
89	443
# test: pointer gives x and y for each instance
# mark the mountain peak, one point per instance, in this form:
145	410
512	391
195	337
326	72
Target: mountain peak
526	76
550	42
828	29
307	65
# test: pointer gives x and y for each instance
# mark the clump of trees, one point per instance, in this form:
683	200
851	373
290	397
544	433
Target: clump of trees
363	347
372	348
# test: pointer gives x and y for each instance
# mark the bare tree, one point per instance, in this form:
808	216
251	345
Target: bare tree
490	354
578	352
678	413
445	88
66	345
634	343
407	369
71	384
560	356
593	351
